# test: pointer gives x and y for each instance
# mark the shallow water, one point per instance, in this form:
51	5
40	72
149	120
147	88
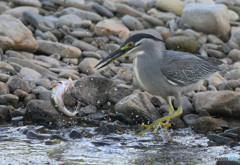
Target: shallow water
174	147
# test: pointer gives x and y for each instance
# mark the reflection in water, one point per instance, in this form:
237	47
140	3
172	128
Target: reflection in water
176	147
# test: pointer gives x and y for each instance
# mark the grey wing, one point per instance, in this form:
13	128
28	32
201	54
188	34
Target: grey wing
185	71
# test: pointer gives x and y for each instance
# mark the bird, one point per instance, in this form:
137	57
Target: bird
165	73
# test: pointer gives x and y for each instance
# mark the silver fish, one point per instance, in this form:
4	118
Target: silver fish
57	94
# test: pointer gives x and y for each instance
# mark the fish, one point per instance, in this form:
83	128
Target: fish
57	96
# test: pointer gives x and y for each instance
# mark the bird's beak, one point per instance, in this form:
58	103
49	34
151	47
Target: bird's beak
113	56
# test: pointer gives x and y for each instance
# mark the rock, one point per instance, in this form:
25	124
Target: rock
90	109
214	39
183	43
68	20
234	54
40	22
102	10
52	61
15	83
19	54
73	61
215	79
125	75
75	135
42	112
214	19
165	16
81	33
29	73
84	46
219	139
30	64
33	135
106	129
4	77
223	103
84	15
34	3
233	74
44	82
57	137
233	16
118	92
50	47
234	41
176	123
91	54
3	88
49	36
5	114
92	90
20	93
206	124
45	95
138	107
87	66
174	6
14	35
153	20
132	23
186	106
18	11
235	130
97	116
230	135
227	162
124	9
9	99
190	119
215	53
6	68
112	27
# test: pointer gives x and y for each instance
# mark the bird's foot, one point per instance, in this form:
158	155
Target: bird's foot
160	122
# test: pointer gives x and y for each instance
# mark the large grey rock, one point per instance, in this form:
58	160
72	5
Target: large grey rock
92	90
15	83
132	23
63	50
212	19
138	107
42	112
112	27
87	66
223	103
68	20
18	11
29	73
14	35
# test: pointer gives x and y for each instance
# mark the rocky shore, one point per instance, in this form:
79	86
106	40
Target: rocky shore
46	41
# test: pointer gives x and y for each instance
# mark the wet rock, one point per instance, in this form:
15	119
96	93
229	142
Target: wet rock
57	137
18	11
234	54
92	90
33	135
112	27
124	9
102	10
122	118
118	92
97	116
235	130
14	35
229	135
177	122
190	119
5	114
106	129
132	23
9	99
84	15
219	139
183	43
75	134
186	106
214	18
50	47
138	107
39	21
174	6
224	103
87	66
90	109
3	88
42	112
84	46
15	83
34	3
206	124
226	162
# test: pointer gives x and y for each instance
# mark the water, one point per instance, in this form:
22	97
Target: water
175	147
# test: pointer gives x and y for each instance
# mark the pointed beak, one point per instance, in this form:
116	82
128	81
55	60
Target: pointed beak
113	56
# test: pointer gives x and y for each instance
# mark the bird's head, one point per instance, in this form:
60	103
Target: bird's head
131	43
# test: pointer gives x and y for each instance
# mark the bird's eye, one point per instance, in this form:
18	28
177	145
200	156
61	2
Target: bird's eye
130	44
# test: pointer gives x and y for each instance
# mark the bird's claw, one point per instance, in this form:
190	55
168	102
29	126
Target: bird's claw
155	124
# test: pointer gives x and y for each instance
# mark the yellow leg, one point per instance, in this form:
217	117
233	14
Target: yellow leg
171	109
159	121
